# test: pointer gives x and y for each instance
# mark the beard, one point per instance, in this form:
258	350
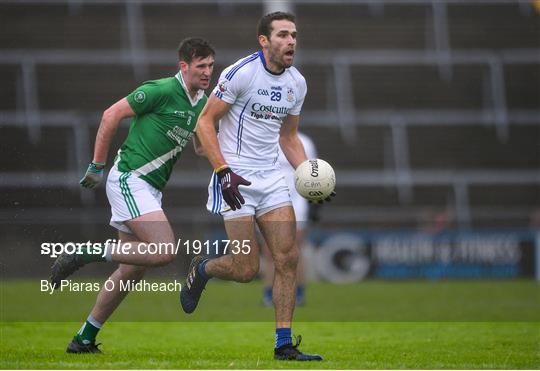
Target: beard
278	59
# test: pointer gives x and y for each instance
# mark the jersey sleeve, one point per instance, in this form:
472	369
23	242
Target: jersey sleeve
302	91
145	98
229	89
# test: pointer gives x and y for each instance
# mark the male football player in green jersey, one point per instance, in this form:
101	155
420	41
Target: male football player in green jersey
164	115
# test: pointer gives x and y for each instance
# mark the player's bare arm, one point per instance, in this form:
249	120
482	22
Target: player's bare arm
212	112
197	147
107	128
290	143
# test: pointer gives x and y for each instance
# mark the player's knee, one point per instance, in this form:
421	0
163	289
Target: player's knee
164	259
287	260
247	274
132	272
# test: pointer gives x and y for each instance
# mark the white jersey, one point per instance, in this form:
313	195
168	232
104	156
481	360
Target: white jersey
249	132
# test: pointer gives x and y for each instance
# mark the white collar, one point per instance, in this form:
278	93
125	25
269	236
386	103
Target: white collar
200	93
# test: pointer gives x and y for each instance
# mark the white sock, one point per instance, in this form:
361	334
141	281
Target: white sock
94	322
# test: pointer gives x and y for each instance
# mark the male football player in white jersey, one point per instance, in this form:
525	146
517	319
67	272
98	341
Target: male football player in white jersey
257	103
304	213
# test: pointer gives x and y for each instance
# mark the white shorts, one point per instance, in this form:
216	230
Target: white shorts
301	209
268	191
300	204
130	197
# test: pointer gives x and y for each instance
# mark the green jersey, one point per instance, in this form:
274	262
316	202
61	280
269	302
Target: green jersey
164	123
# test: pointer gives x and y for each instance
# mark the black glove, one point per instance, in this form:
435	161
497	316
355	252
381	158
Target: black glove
327	199
229	187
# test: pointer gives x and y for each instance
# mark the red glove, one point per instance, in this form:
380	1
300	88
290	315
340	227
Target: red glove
229	187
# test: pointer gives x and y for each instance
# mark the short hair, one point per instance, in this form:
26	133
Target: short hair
194	47
265	23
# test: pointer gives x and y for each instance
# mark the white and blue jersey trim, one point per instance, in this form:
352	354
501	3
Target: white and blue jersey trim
216	189
235	69
263	61
240	129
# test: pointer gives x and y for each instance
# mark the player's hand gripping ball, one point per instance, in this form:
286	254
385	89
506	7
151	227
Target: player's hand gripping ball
315	180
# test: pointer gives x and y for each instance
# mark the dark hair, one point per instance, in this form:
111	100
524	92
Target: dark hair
264	27
194	47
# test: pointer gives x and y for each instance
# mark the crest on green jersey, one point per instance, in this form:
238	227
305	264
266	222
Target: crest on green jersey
139	96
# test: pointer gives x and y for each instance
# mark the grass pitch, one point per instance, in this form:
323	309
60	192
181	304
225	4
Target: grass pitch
376	325
344	345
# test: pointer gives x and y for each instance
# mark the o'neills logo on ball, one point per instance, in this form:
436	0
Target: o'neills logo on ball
314	168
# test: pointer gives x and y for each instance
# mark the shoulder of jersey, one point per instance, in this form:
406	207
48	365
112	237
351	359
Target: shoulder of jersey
172	80
243	67
162	81
296	76
165	84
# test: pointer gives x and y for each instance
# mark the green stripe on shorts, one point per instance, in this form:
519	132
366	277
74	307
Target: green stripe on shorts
125	194
135	208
